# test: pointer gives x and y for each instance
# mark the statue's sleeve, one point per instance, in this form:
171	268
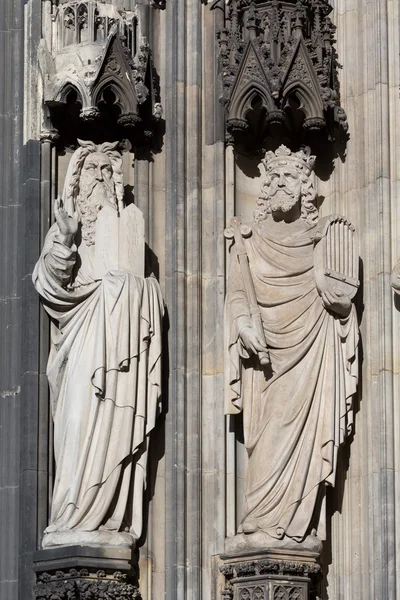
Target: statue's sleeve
54	269
349	334
395	279
237	316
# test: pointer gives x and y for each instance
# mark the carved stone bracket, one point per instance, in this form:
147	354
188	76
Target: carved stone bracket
96	67
271	575
278	60
76	573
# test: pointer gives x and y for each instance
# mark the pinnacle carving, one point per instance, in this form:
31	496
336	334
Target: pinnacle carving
99	73
279	58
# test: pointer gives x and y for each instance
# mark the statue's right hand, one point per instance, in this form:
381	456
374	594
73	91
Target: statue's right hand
251	340
67	225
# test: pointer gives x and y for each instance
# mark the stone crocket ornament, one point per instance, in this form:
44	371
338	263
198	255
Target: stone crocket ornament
292	363
104	368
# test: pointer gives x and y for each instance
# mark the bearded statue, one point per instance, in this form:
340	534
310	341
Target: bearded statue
104	368
292	368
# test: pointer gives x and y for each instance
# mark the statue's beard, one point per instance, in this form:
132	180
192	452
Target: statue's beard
282	201
91	200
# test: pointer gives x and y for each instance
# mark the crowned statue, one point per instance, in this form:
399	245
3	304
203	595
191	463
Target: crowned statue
292	367
104	368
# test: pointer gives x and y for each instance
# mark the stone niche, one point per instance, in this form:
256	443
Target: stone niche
278	66
99	81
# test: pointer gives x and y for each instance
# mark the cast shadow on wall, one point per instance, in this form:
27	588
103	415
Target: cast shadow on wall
261	135
157	436
145	135
335	496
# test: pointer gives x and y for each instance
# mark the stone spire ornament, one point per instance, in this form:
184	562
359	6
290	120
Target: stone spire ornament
278	62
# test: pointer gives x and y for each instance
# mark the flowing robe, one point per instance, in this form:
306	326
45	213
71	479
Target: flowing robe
295	419
104	372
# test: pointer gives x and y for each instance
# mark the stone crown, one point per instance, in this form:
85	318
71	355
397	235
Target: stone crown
303	160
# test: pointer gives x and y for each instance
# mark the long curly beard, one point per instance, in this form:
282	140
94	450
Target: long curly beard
89	205
282	201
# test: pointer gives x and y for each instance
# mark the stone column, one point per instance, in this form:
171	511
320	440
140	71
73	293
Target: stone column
363	559
12	175
194	284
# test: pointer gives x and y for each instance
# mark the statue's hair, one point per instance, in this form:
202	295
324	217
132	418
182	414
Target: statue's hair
78	159
309	211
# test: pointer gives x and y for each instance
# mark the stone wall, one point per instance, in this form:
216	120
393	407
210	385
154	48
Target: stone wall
187	193
363	560
11	287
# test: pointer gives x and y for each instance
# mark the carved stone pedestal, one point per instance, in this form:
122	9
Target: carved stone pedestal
270	575
85	573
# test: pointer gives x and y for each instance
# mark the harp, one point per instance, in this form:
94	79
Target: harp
336	256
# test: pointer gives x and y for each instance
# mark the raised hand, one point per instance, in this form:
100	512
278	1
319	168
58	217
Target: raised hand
251	340
337	302
67	225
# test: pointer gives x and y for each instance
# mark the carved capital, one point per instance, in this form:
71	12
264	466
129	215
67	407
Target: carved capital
49	135
90	113
269	576
84	584
85	573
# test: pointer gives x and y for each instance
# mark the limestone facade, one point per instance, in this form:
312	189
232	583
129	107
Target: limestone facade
188	184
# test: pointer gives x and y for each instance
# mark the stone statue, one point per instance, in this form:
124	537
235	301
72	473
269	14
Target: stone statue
292	337
104	368
395	278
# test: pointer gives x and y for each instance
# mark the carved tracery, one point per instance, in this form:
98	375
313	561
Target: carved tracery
96	66
279	57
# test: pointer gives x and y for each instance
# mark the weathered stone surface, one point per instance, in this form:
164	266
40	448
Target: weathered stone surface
276	58
105	365
188	195
292	363
79	573
269	576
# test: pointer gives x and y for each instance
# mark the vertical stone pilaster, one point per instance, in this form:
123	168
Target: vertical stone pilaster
175	296
365	186
195	219
11	302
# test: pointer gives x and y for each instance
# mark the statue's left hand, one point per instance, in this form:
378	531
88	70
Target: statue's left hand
337	302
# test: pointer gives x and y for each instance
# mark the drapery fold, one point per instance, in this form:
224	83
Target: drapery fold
296	419
104	374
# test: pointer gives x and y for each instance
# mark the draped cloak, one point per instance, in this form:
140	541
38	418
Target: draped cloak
104	373
296	418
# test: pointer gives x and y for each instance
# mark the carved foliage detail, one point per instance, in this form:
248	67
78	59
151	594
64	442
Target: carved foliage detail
245	581
82	585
